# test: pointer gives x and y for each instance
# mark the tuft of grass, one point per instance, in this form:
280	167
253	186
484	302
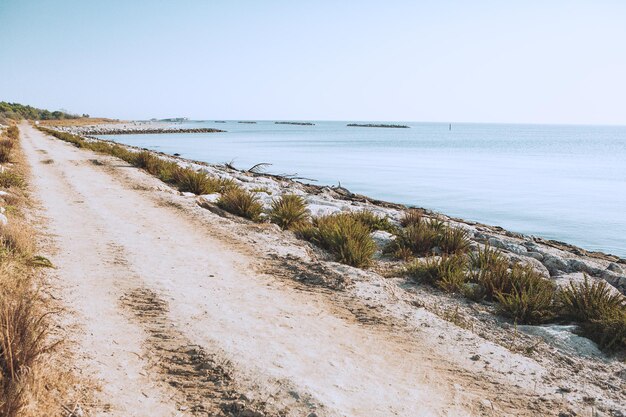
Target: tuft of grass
454	240
5	153
10	179
420	238
288	210
410	217
530	299
16	239
196	182
346	237
608	330
373	221
241	203
486	257
448	272
589	300
13	132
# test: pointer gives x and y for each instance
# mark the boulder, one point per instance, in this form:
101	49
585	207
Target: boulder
207	199
565	339
613	267
382	238
507	245
555	264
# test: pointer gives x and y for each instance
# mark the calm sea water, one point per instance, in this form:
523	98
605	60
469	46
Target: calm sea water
559	182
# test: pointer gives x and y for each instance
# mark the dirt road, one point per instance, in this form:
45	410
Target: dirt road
172	316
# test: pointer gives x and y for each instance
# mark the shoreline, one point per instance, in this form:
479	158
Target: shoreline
556	259
473	330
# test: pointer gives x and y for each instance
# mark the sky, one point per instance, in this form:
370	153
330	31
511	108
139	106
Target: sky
445	61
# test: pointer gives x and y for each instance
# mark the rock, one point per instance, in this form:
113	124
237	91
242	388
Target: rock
382	238
577	265
508	246
564	338
207	200
187	194
613	267
616	280
475	357
3	220
555	264
535	255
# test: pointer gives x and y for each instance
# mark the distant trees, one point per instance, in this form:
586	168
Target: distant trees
16	111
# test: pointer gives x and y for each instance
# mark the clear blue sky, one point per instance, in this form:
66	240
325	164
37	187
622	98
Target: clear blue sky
492	61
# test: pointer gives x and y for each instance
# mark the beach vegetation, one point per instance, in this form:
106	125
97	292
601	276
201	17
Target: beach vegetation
288	210
346	237
241	202
448	272
529	298
9	178
373	221
600	311
411	216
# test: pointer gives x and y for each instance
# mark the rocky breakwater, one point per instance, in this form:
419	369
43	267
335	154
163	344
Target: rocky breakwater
377	125
148	131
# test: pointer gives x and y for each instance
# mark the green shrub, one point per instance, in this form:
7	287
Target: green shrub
288	211
486	257
410	217
197	182
589	300
608	330
454	240
241	203
447	272
304	230
373	221
420	238
346	237
530	298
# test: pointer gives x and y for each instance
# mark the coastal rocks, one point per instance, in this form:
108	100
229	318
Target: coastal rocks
206	200
147	131
382	238
507	245
3	219
613	267
555	264
565	339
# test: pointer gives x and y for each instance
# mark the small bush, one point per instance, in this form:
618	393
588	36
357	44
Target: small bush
454	240
486	257
196	182
304	230
530	299
447	272
13	132
373	221
241	203
346	237
588	301
410	217
5	153
420	238
608	330
10	179
288	211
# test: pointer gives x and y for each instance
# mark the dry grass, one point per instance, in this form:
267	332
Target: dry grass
16	239
529	298
600	311
448	272
346	237
289	210
241	203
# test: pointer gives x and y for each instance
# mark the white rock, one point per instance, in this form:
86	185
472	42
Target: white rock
382	238
564	338
208	198
508	246
3	220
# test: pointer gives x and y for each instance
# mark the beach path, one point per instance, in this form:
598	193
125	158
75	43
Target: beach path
171	318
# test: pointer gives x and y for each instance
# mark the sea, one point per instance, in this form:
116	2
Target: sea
562	182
